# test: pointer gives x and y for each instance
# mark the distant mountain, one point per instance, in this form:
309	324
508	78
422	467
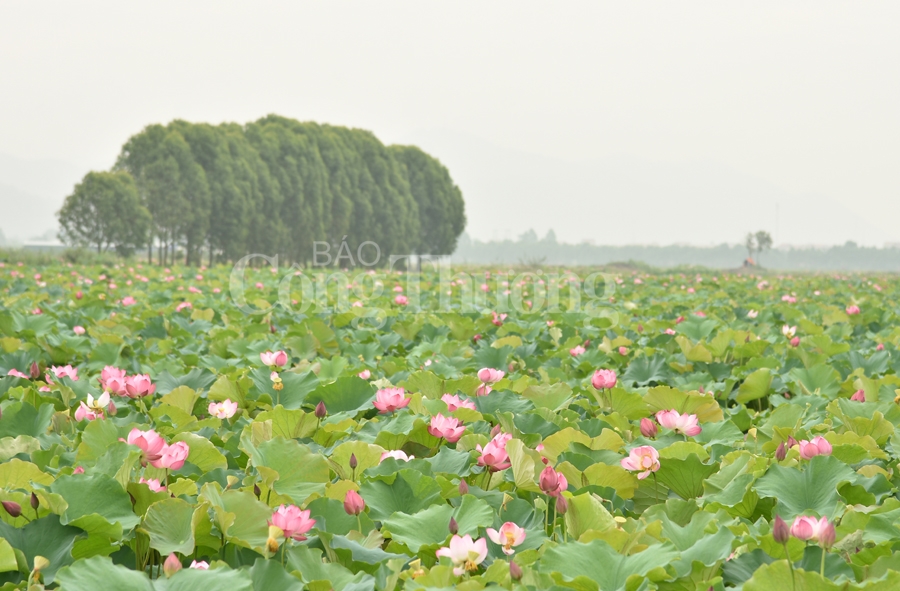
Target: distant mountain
626	200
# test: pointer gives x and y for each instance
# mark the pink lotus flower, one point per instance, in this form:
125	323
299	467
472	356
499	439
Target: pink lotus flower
853	310
113	381
66	371
552	483
401	300
454	402
292	521
819	446
364	374
880	347
752	314
788	331
276	359
465	554
150	443
182	306
199	565
643	459
789	299
172	457
397	455
809	529
128	300
139	386
224	409
489	375
483	390
86	413
493	455
353	503
498	319
398	289
604	379
153	484
680	423
390	399
78	470
16	373
448	428
670	331
576	351
79	330
858	396
509	536
623	351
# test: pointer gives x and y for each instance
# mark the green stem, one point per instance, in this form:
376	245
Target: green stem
791	565
359	523
487	479
822	567
547	516
656	486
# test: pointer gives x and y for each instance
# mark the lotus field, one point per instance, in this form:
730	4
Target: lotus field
181	429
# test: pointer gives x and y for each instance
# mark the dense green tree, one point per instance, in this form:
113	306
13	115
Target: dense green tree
105	211
442	215
276	186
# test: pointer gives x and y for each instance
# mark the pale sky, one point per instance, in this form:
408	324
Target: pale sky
719	110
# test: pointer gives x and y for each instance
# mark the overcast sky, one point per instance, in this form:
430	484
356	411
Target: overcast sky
801	97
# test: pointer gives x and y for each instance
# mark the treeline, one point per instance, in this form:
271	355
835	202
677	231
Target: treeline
533	251
274	186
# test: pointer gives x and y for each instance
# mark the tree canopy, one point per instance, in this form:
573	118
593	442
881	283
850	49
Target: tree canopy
105	211
275	186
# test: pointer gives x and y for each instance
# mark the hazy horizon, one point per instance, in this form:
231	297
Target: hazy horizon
620	124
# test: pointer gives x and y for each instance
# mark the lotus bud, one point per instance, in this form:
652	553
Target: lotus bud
515	571
321	411
648	428
791	442
561	505
353	462
780	530
35	371
826	536
495	431
640	328
549	480
35	502
453	526
858	396
12	507
781	452
79	295
172	565
353	503
463	487
256	490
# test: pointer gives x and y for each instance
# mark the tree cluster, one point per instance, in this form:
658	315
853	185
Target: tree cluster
757	243
274	186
